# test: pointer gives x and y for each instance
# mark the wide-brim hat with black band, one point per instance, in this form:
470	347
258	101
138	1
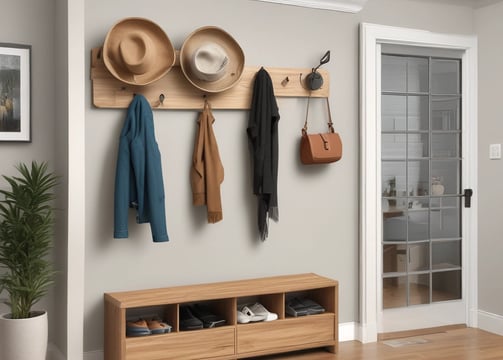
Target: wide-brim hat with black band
211	59
137	51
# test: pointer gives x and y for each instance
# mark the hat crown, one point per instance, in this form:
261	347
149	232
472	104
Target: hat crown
209	62
211	59
137	52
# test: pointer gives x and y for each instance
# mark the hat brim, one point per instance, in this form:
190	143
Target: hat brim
234	69
165	52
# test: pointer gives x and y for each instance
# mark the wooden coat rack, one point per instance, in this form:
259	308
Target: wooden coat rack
173	91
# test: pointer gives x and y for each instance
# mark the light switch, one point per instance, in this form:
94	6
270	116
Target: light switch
495	151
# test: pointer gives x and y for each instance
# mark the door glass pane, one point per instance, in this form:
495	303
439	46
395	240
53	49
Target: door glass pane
418	174
418	146
419	289
417	204
394	258
445	221
445	145
393	112
394	226
417	74
441	202
446	285
445	177
393	178
446	255
445	113
418	226
419	257
417	112
394	73
394	292
393	146
445	76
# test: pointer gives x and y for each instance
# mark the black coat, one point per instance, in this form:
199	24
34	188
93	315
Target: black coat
263	137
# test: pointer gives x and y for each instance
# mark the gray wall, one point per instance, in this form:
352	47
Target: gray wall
490	30
33	23
318	228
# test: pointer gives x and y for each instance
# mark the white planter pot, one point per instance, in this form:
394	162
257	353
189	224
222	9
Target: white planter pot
22	339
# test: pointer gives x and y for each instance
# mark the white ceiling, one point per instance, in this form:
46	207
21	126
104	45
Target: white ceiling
357	5
472	3
337	5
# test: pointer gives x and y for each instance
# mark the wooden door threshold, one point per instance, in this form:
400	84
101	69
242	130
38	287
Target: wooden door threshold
418	332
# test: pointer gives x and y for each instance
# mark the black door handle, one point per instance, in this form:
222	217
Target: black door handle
468	197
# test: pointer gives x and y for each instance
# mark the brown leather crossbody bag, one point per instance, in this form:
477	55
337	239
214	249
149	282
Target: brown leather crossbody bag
321	148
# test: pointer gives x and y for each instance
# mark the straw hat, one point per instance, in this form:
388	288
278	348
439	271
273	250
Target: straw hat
137	51
211	59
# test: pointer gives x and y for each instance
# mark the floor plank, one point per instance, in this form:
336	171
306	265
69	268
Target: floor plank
459	344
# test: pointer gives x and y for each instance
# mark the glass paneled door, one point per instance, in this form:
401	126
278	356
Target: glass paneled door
421	180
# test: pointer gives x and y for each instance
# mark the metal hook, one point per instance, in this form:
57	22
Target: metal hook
325	59
161	101
314	79
285	81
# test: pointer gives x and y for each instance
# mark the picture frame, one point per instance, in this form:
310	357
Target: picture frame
15	92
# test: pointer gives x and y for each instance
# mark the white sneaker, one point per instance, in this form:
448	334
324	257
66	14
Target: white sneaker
259	310
252	315
243	318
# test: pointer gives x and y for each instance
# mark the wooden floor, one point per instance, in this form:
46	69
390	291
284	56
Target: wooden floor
461	344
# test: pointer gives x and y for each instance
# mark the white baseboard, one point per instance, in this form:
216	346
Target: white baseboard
490	322
347	332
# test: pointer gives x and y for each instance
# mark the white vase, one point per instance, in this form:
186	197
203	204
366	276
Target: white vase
22	339
437	189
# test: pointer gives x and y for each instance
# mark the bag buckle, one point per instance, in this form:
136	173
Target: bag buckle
326	144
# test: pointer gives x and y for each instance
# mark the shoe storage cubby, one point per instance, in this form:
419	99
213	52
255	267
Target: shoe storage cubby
232	340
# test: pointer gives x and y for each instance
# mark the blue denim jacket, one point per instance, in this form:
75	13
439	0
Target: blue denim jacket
138	177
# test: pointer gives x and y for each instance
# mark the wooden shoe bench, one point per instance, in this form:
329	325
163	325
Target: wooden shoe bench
233	340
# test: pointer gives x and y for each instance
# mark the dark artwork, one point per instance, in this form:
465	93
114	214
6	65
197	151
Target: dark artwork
10	84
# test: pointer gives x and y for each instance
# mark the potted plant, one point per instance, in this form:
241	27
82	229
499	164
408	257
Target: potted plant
26	274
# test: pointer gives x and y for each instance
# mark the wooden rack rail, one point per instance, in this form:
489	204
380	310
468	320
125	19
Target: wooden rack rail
177	93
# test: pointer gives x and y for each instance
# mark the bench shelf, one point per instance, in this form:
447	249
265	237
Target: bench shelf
233	340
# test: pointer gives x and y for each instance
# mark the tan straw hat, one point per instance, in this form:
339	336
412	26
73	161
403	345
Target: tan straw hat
137	51
211	59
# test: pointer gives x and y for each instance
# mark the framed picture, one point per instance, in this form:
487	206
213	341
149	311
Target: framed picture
15	102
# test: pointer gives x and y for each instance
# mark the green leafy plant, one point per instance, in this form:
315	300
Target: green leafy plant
26	227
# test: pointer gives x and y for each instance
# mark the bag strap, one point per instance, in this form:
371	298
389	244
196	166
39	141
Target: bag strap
330	123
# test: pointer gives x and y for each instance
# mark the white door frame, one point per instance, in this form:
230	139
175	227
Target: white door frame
371	36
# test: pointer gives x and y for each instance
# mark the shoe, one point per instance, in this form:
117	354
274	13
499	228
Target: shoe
188	321
295	308
312	306
243	318
260	310
251	315
137	328
158	327
209	319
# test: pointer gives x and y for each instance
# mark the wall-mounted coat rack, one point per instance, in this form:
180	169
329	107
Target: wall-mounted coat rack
173	91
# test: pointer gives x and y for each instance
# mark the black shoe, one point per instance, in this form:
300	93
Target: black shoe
312	306
295	308
209	319
188	321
